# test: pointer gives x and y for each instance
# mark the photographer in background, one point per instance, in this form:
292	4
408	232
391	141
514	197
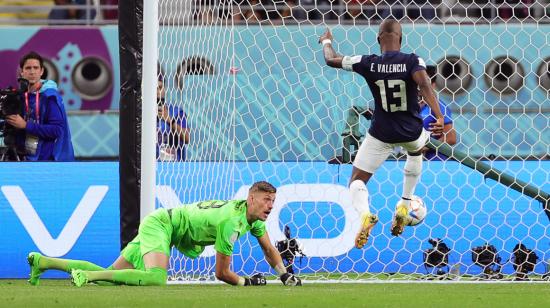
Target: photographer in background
42	132
289	248
172	130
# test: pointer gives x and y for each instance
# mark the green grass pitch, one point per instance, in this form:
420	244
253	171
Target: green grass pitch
60	293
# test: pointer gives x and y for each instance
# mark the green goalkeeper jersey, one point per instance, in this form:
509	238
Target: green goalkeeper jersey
216	222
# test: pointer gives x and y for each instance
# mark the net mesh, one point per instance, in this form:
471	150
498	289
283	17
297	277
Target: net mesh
248	97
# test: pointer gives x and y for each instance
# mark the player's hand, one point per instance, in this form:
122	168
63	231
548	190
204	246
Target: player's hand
326	36
290	280
255	280
437	128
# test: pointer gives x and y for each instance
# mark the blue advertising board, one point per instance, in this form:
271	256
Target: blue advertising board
71	210
68	210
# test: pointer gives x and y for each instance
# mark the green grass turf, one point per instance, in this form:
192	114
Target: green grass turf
60	293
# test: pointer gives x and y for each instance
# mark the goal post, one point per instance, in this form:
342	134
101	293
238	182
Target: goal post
249	98
149	108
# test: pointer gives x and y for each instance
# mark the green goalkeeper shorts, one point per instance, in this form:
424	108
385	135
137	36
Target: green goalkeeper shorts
154	235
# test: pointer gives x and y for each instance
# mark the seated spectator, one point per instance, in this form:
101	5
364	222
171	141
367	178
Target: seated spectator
59	14
110	13
422	9
327	9
362	9
293	12
249	11
513	8
392	8
87	12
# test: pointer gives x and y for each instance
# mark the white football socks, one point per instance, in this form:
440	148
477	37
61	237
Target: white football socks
359	196
413	168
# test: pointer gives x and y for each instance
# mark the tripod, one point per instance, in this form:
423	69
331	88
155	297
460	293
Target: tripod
8	152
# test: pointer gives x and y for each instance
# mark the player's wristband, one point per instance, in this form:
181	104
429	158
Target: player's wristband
243	281
326	41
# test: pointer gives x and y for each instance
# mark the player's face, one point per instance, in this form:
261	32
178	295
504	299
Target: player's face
261	204
32	71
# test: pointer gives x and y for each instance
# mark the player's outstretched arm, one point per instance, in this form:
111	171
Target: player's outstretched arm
423	81
224	273
332	59
274	259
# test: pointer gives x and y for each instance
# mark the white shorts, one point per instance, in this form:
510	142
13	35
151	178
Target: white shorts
373	152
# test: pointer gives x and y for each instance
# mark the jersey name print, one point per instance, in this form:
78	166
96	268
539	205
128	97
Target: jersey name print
389	76
389	68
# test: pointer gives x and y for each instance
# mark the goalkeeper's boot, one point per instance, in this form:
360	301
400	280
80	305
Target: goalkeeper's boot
79	277
34	262
368	221
399	218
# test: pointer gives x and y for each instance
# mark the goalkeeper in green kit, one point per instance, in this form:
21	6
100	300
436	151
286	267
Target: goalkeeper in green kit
189	228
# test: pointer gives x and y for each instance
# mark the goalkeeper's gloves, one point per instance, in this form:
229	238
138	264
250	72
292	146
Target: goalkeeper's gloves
255	280
289	279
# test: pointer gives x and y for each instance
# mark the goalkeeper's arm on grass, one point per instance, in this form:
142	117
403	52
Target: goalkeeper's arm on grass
224	273
273	257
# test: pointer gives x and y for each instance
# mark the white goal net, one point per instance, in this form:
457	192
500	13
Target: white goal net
247	80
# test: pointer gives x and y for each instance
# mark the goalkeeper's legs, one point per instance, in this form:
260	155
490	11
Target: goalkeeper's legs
148	254
40	263
154	274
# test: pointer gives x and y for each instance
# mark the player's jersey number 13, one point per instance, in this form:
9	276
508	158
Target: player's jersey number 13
393	94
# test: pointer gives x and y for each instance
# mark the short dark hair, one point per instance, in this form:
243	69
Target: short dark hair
432	72
31	55
262	186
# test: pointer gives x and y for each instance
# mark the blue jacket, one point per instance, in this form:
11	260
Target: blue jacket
52	128
428	117
166	138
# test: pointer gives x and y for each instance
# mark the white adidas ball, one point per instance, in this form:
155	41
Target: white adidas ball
417	211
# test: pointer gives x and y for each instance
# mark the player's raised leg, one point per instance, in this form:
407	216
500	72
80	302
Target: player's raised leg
372	153
360	201
39	263
412	171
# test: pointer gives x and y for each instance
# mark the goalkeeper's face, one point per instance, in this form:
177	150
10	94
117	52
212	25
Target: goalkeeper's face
260	205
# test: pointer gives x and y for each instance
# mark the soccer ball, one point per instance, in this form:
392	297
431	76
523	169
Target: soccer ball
417	211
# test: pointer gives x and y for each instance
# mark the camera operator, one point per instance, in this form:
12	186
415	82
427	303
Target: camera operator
172	130
42	131
289	248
